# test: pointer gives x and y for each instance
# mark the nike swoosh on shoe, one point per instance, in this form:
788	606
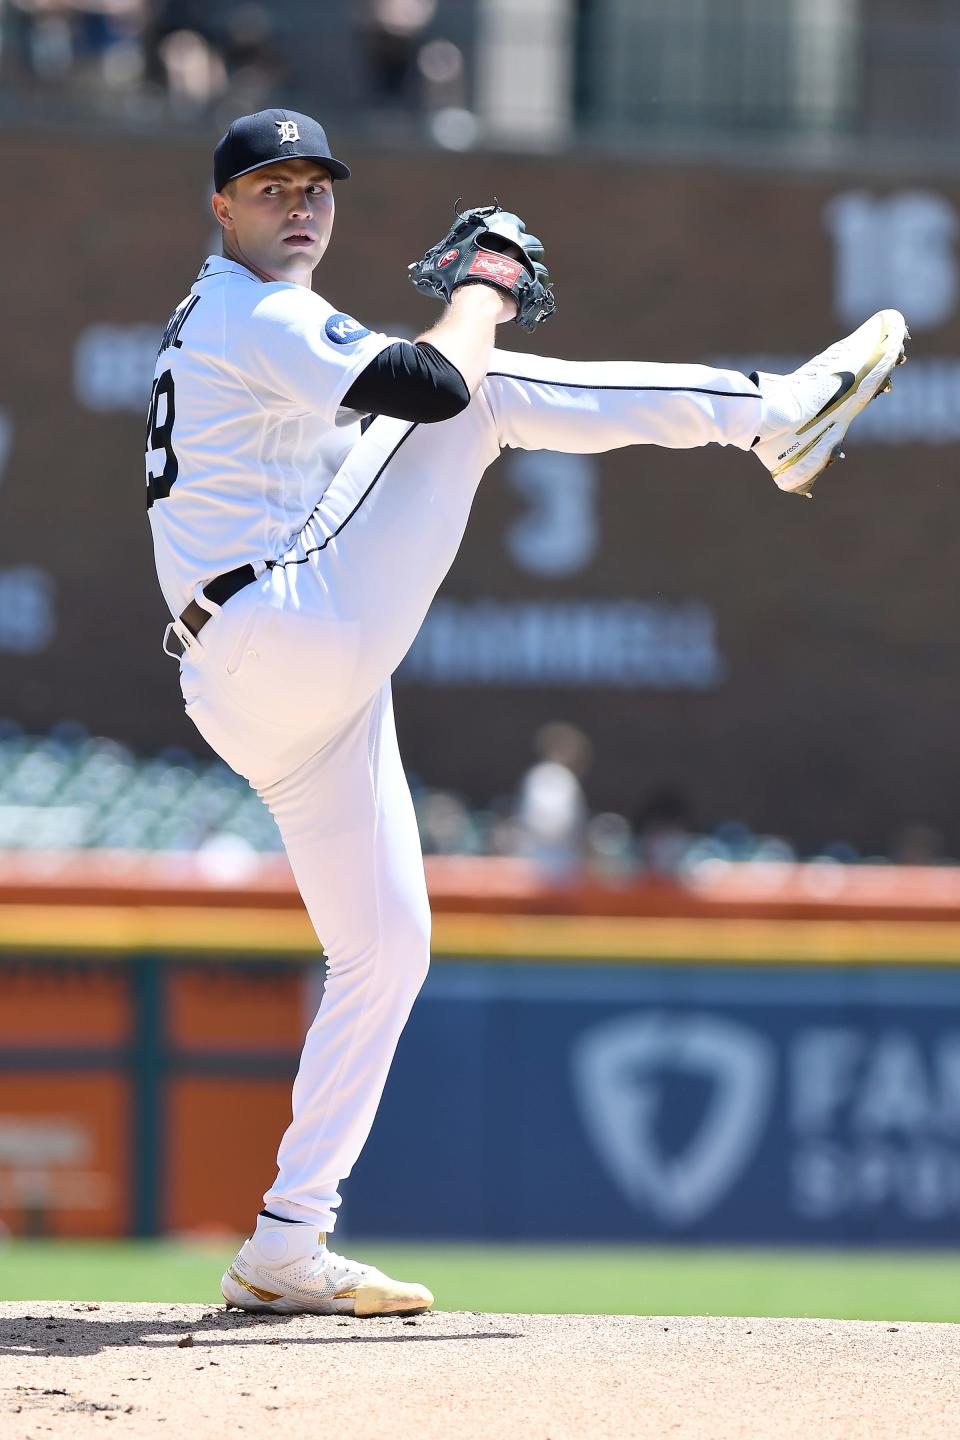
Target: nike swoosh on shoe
847	381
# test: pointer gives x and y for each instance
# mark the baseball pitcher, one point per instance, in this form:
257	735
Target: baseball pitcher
299	542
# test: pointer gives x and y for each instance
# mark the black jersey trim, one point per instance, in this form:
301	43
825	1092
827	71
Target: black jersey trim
578	385
282	564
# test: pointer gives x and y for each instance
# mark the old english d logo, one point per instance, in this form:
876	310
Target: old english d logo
621	1069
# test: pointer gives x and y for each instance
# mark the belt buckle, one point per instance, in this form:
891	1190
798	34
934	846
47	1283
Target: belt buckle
179	631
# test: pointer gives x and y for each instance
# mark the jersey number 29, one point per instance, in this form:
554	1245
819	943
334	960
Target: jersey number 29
160	418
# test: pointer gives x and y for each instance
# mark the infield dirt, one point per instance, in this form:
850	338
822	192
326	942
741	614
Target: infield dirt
190	1372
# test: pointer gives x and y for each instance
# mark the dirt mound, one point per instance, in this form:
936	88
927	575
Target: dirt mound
196	1372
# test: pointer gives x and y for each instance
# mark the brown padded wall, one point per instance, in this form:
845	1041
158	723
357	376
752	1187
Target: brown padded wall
836	715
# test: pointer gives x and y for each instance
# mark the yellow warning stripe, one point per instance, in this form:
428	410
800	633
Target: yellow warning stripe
118	930
127	929
693	941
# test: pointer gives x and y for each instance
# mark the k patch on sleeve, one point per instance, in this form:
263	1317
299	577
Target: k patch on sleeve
343	329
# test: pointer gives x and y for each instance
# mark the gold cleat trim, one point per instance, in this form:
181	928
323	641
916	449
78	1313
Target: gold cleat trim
345	1295
800	453
265	1295
391	1297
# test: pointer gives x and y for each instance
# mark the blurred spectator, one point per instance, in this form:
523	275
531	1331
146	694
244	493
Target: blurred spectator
71	790
391	32
446	824
663	824
443	86
40	38
189	53
252	56
200	54
184	55
917	844
98	40
414	73
552	809
609	846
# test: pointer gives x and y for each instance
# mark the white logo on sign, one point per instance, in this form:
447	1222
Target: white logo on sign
113	366
620	1071
631	644
876	1119
897	250
288	131
559	533
27	614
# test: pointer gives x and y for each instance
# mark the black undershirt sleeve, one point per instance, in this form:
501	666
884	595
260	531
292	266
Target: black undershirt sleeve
410	381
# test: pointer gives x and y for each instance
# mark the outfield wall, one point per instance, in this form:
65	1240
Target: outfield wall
649	1077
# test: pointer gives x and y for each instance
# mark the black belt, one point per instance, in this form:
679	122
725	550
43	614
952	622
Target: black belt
219	590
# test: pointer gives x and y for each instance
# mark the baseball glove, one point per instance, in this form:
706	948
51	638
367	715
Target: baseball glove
489	246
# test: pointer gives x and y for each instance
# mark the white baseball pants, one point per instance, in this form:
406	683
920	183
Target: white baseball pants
290	684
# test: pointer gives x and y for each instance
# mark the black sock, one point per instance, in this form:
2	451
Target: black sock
270	1216
755	377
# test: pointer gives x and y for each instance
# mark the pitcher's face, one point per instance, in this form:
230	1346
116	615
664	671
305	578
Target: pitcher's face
278	220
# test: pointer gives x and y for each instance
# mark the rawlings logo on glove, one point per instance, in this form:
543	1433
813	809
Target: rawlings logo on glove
496	268
489	246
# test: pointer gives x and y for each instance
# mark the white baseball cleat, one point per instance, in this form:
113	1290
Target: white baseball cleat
809	411
287	1269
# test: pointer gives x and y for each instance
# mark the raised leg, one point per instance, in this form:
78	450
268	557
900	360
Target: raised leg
586	406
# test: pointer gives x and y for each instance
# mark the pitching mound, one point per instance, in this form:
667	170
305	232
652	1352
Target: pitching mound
188	1371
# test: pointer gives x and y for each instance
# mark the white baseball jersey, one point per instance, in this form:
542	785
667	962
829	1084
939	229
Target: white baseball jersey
245	428
248	460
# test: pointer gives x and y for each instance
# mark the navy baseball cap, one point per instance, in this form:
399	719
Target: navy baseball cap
268	136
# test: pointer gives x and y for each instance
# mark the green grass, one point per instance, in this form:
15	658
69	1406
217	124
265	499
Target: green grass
585	1279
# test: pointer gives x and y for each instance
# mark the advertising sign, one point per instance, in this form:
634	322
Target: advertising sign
667	1106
